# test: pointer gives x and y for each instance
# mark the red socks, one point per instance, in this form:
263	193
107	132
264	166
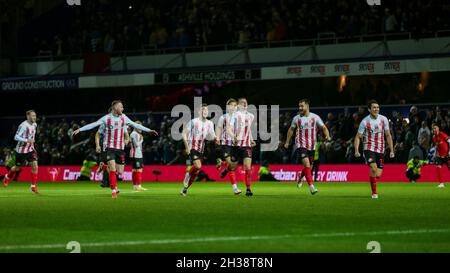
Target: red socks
439	174
248	178
138	178
232	175
134	178
373	184
34	177
10	176
223	165
192	175
113	180
307	172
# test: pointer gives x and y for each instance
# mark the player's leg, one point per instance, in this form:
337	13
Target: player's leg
416	177
246	155
221	164
374	173
315	169
20	160
410	175
380	165
134	175
298	153
187	175
373	162
440	162
112	174
139	179
226	163
34	175
307	172
10	175
192	173
137	174
248	175
232	175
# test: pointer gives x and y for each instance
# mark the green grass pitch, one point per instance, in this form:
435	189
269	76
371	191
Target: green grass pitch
278	218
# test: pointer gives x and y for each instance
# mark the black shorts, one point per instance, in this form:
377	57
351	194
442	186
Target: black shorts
443	161
240	153
24	159
195	155
227	150
101	158
372	157
138	163
117	155
302	153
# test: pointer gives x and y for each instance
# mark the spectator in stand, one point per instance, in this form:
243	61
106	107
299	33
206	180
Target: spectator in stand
213	22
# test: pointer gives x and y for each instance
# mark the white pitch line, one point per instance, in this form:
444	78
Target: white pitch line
373	233
225	239
149	242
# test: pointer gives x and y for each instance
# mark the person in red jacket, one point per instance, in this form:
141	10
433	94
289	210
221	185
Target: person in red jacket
442	144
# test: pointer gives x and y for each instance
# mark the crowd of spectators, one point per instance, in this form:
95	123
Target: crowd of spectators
109	26
411	134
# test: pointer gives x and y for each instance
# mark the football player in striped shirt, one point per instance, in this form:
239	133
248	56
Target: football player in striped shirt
195	134
24	151
373	130
306	126
136	156
114	140
226	142
240	129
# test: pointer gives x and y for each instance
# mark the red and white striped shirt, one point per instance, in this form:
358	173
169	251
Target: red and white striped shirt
225	123
198	132
373	131
25	132
136	145
242	124
307	128
114	130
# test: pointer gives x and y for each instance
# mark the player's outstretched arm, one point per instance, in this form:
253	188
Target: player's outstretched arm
88	127
140	127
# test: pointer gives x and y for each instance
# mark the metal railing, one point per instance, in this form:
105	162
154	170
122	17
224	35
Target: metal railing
320	40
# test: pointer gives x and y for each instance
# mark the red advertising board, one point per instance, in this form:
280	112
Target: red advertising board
286	173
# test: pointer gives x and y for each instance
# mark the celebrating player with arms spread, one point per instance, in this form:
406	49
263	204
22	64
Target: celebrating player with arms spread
373	130
115	127
306	126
